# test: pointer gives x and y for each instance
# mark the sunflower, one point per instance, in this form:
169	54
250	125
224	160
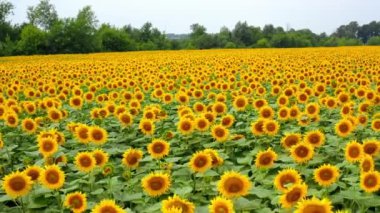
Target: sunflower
294	194
199	107
259	103
371	147
375	125
101	157
353	151
55	115
367	163
315	138
312	109
200	162
265	159
85	161
266	112
52	177
11	119
221	204
125	119
47	146
98	135
186	126
201	124
107	206
370	181
343	128
82	133
176	202
17	184
290	139
271	127
33	172
326	174
283	113
29	125
76	201
147	126
257	127
158	148
156	183
219	108
220	133
240	103
76	102
131	158
294	112
286	177
228	120
216	159
314	205
233	184
302	152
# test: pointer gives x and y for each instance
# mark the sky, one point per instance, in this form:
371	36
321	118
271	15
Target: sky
176	16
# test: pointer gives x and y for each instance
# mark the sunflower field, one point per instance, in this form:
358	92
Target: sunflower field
276	130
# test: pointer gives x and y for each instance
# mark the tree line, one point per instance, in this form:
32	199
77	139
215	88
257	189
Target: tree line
46	33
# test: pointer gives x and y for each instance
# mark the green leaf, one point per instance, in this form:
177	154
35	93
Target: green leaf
245	204
183	190
131	197
262	192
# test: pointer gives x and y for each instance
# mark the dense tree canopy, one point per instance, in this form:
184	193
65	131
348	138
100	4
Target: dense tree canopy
47	33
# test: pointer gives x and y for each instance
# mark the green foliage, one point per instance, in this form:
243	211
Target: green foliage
43	15
349	42
32	40
375	41
263	43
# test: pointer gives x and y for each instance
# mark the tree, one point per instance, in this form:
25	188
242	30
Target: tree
347	31
43	15
32	41
242	35
6	9
375	41
200	39
113	39
367	31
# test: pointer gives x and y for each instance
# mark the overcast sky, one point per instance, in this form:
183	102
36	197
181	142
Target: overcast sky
175	16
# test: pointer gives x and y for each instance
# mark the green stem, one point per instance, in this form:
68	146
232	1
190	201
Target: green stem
59	201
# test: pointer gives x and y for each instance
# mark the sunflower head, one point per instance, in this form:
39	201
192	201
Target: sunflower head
76	201
286	178
158	148
107	205
52	177
314	205
221	204
220	133
33	172
98	135
156	184
17	184
293	194
315	138
302	152
343	128
370	181
200	161
233	184
147	126
326	175
354	151
291	139
101	157
265	159
132	157
367	163
176	202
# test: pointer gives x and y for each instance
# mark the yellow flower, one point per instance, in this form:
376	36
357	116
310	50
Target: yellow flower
302	152
314	205
131	158
265	159
76	201
200	162
156	184
176	202
326	175
17	184
220	133
353	151
221	204
158	148
286	178
106	206
98	135
52	177
292	195
85	161
370	181
233	184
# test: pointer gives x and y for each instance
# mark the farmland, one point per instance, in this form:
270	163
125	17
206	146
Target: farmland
274	130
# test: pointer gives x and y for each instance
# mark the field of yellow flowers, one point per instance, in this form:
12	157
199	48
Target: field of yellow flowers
277	130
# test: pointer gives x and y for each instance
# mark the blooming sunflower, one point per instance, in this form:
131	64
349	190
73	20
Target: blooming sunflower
216	159
353	151
228	120
240	103
185	126
370	181
156	183
220	133
29	125
266	112
375	125
343	128
302	152
76	201
52	177
101	157
200	161
315	138
367	163
326	174
233	184
271	127
147	126
292	195
158	148
17	184
201	124
290	139
47	146
131	158
286	177
82	133
176	202
265	159
371	147
314	205
85	161
33	172
98	135
221	204
125	119
106	206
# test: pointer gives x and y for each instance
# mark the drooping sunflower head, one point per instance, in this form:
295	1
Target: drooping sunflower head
76	201
353	151
326	175
291	139
233	184
17	184
370	181
315	138
200	161
286	178
302	152
101	157
221	204
314	205
156	184
158	148
176	202
52	177
132	157
106	206
220	133
265	159
294	194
